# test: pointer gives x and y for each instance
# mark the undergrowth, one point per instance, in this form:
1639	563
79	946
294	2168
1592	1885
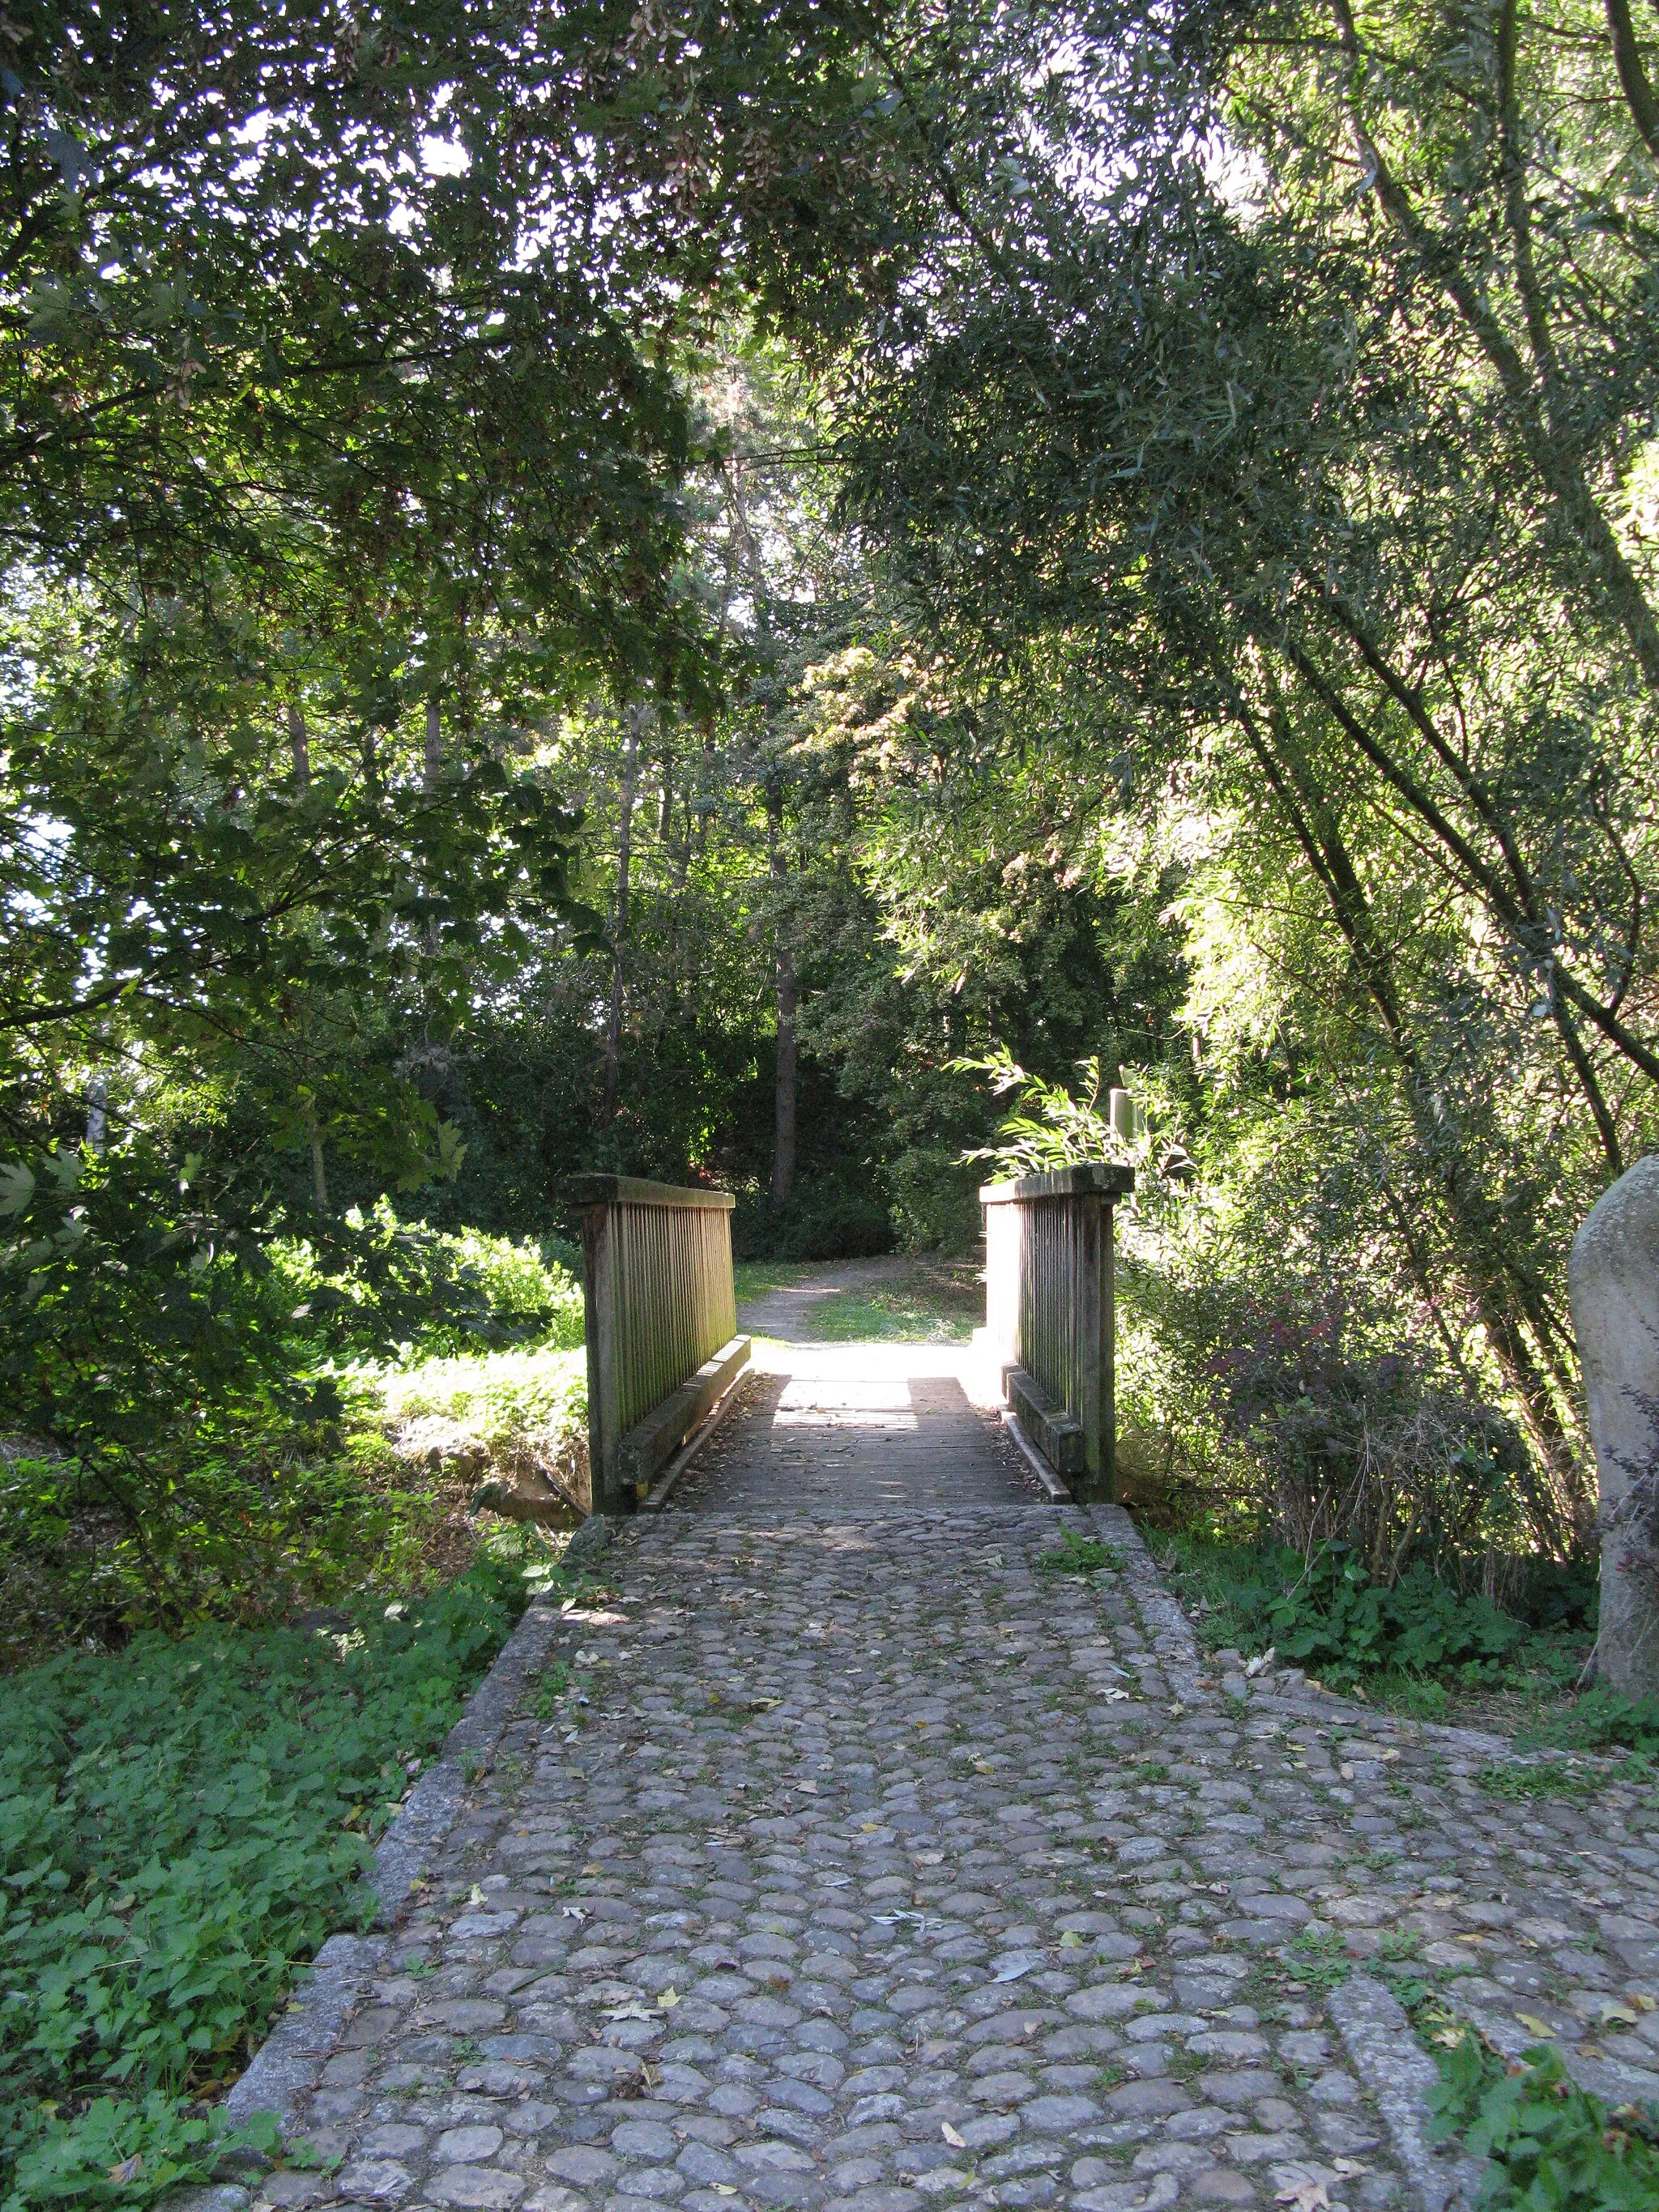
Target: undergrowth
1550	2146
181	1825
1421	1647
1081	1555
500	1394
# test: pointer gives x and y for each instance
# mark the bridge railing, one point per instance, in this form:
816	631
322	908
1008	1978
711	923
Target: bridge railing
1048	1313
661	1324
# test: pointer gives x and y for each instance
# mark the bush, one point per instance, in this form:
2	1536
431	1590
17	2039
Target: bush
437	1292
178	1827
257	1518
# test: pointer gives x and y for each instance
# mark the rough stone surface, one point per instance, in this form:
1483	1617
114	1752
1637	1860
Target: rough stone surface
1613	1278
867	1864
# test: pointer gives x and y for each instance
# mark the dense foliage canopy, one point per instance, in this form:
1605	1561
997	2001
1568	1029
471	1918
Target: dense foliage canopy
657	588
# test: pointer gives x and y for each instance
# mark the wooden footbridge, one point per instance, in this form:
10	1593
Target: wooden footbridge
664	1357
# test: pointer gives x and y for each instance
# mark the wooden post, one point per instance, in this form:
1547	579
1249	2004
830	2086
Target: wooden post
661	1322
1050	1314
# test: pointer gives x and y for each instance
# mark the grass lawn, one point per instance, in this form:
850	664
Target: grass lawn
921	1301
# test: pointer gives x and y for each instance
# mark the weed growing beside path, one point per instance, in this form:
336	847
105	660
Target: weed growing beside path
1421	1647
181	1825
1547	2142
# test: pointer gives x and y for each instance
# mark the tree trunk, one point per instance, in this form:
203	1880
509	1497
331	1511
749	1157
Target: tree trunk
610	1094
783	1152
318	1180
298	746
97	1112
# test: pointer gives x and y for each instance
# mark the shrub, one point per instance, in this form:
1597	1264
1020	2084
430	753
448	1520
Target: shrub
178	1827
821	1222
438	1292
257	1518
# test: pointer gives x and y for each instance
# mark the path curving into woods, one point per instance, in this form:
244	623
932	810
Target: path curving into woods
870	1863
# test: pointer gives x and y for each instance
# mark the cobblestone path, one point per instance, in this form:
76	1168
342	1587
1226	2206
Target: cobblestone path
866	1863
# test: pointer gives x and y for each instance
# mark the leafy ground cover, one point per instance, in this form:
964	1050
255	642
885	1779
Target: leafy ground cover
181	1825
1420	1646
1550	2146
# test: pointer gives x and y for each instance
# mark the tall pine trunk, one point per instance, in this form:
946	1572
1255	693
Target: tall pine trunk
611	1092
783	1152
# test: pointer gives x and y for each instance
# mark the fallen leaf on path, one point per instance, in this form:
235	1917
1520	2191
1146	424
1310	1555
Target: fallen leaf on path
1116	1697
476	1896
127	2171
1642	2001
1071	1941
1534	2025
956	2140
1307	2195
1619	2012
669	1999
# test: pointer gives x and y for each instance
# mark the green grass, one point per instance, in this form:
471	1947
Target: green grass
752	1278
906	1314
1562	1778
930	1303
181	1824
1081	1555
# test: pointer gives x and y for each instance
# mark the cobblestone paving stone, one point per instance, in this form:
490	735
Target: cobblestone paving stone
866	1865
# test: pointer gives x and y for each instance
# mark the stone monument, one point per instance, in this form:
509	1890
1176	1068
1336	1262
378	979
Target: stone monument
1613	1279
